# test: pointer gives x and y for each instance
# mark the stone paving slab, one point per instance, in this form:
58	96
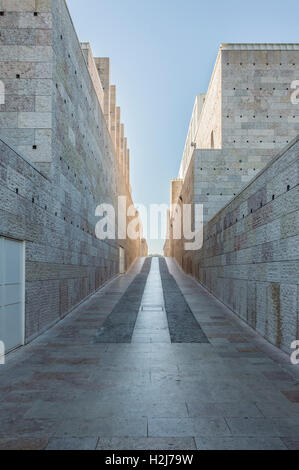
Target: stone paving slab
149	443
109	427
253	427
63	390
291	443
119	325
72	443
183	327
151	325
184	427
239	443
23	444
245	409
283	409
26	428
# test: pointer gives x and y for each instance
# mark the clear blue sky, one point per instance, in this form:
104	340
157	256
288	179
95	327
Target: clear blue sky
162	54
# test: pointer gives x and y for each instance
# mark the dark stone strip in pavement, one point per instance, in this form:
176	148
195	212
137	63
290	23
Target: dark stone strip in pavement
183	326
120	324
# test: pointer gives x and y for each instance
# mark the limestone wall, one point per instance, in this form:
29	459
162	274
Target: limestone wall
64	260
209	132
257	111
192	133
93	72
250	257
218	177
26	64
53	116
248	108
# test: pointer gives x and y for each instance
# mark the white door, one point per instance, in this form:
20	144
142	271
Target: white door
12	293
122	268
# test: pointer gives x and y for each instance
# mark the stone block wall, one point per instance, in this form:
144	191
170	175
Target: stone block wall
257	112
192	133
246	118
26	63
218	177
64	263
57	159
209	132
250	256
93	72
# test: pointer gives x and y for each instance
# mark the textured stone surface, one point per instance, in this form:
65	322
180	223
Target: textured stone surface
151	324
64	391
147	443
183	327
119	326
53	117
239	443
244	119
72	443
249	258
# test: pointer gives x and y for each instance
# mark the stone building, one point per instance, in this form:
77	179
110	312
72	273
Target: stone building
241	163
243	120
63	151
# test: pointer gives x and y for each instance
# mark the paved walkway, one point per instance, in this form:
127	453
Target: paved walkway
66	391
151	325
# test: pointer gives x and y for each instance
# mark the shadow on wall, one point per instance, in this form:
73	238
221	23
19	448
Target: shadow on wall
249	259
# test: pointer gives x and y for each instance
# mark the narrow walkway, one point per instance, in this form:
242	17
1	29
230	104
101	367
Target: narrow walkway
151	325
182	323
119	325
66	391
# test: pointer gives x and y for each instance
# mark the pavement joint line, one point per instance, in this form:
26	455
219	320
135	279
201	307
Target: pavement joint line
183	326
120	323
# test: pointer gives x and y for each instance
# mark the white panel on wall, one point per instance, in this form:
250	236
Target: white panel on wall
12	287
